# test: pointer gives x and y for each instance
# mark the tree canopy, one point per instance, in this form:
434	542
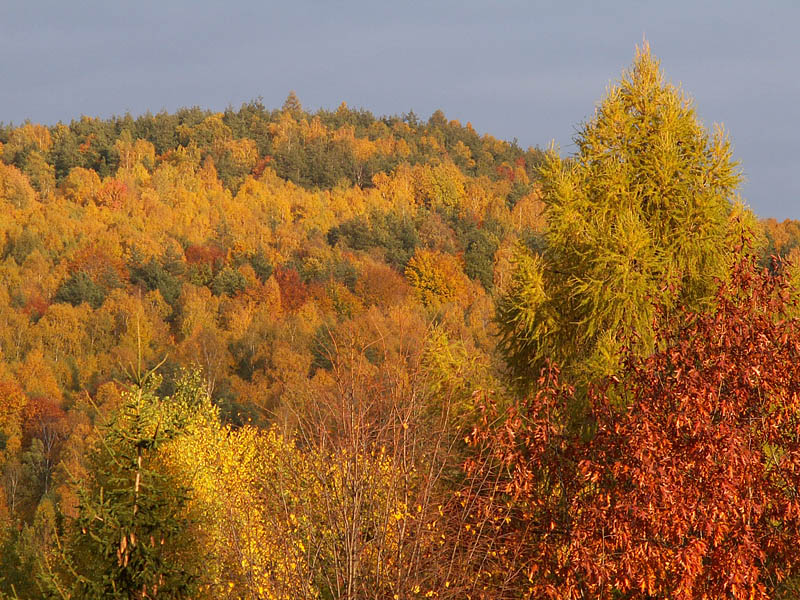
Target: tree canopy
394	358
638	218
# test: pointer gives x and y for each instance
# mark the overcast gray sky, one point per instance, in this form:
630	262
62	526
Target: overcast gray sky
528	70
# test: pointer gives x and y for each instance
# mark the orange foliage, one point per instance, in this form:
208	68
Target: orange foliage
113	194
208	254
378	284
694	460
293	291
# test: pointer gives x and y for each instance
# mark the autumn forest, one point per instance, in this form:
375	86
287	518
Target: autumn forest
276	354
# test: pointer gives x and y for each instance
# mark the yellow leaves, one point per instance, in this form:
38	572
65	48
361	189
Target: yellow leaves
398	189
443	186
239	157
437	277
529	212
265	505
243	152
30	136
37	376
200	309
15	187
462	152
81	185
12	403
132	324
136	159
248	538
209	131
636	219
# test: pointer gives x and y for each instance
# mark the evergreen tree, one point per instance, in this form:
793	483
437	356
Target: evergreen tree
80	288
640	217
129	539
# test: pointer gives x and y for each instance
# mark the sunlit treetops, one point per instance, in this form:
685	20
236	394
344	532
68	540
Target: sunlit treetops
321	149
338	312
642	216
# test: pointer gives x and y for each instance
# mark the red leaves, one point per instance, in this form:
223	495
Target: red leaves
208	254
689	492
113	194
506	172
35	306
42	417
97	263
86	145
261	166
293	291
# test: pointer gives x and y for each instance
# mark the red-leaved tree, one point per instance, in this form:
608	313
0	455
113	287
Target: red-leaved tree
687	486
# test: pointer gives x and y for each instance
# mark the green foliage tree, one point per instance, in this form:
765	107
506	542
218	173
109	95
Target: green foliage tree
480	245
80	288
638	218
261	265
393	232
129	539
228	282
161	276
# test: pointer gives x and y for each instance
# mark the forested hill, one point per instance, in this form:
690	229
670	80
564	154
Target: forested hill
320	150
301	343
202	227
258	248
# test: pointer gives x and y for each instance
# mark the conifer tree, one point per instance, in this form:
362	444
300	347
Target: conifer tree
639	217
129	540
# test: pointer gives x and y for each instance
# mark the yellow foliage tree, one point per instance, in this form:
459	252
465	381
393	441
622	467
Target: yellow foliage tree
436	277
275	520
15	187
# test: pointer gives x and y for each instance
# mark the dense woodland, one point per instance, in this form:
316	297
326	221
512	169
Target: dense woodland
274	354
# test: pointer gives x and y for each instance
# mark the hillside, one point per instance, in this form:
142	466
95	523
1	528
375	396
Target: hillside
206	227
304	320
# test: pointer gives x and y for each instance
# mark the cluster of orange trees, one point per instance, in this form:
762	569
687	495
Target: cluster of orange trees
274	354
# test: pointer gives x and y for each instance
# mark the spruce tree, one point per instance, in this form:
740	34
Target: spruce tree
129	540
640	217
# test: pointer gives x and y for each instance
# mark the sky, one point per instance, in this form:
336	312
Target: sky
526	70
